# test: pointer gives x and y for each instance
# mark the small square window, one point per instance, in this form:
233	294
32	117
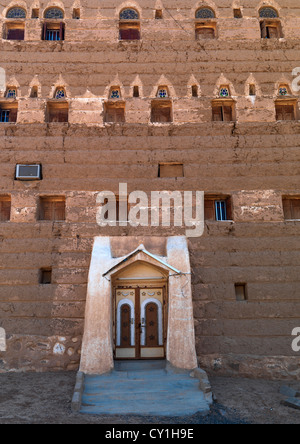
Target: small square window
217	208
53	31
161	112
171	170
291	208
52	208
15	31
270	29
46	276
35	13
5	208
76	14
158	14
241	292
129	31
205	32
57	112
237	13
222	112
8	112
114	112
285	110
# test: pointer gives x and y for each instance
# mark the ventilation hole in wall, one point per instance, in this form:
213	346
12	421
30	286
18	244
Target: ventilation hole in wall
241	292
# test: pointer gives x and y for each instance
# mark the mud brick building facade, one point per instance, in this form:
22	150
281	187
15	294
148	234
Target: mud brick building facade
161	95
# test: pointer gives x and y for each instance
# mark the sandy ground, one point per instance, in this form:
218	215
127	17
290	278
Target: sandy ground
45	398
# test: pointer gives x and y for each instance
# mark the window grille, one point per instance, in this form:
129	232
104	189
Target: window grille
221	210
4	116
16	13
205	13
60	93
268	13
129	14
11	94
54	13
53	35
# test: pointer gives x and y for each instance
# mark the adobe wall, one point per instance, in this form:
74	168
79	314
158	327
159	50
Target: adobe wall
255	160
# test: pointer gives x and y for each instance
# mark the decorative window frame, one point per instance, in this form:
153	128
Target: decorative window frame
56	8
19	8
208	13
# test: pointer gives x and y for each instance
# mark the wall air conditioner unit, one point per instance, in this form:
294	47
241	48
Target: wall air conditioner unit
28	172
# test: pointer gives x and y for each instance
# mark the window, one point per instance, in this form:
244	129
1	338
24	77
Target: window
205	13
268	12
205	32
54	32
283	90
161	111
57	112
270	30
195	91
162	92
270	25
224	91
35	13
114	112
76	14
54	13
241	292
45	276
52	208
15	31
11	93
285	110
8	112
16	13
170	170
136	91
115	93
34	92
252	90
217	208
237	13
5	207
158	14
129	26
129	14
60	93
291	208
222	111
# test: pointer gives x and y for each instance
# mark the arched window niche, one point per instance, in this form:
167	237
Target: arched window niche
270	24
129	24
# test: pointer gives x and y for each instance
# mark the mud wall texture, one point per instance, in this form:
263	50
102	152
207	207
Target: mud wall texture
254	160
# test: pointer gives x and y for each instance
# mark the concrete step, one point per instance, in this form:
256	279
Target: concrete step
139	391
140	365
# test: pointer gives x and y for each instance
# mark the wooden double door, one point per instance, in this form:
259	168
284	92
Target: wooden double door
140	323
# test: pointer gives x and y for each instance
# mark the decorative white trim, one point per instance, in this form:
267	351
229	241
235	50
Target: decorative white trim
160	320
132	320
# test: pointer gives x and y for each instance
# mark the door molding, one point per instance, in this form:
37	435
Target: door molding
132	318
160	320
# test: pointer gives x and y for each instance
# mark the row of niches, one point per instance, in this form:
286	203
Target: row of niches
217	207
163	91
130	13
54	26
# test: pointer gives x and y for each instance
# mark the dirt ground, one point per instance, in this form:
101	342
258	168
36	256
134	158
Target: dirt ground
45	398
